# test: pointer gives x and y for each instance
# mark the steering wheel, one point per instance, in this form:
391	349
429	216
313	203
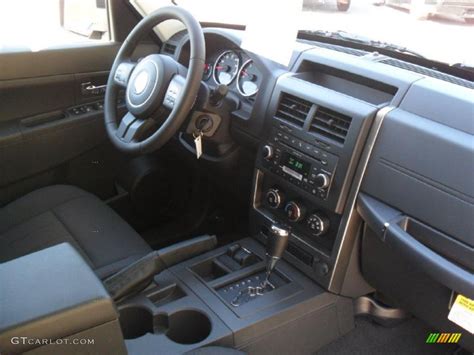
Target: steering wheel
155	83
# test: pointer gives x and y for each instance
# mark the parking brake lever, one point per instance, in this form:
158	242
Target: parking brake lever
138	275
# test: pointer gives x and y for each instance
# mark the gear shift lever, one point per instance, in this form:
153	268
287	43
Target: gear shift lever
277	242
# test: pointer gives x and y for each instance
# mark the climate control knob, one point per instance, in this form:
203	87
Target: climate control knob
318	224
294	211
267	152
274	198
322	181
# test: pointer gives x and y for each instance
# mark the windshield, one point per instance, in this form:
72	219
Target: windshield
440	30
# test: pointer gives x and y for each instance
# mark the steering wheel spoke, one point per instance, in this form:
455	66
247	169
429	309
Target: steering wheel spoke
133	129
123	72
172	92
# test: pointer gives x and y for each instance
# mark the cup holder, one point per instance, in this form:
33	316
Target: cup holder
135	322
185	327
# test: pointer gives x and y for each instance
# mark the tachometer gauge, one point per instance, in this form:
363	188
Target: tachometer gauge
206	74
226	67
248	79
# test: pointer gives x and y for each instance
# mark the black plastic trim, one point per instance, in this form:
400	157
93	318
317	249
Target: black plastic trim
394	234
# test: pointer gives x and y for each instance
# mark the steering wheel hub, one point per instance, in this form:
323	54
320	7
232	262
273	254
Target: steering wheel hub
141	82
145	86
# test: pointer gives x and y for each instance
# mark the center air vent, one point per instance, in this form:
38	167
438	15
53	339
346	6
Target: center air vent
330	124
292	109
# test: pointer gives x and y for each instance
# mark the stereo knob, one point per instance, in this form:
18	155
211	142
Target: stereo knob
267	152
274	198
318	224
294	211
322	181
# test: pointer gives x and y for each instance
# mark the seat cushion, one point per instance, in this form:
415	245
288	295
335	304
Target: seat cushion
61	213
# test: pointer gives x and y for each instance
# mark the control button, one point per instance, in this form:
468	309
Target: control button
274	198
318	224
322	268
322	181
267	152
294	211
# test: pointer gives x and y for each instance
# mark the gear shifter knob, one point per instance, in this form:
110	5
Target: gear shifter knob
277	242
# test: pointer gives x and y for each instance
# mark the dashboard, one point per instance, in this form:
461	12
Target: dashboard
348	151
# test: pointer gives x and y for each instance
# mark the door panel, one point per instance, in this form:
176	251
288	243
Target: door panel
38	130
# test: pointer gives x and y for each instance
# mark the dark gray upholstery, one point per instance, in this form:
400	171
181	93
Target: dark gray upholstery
61	213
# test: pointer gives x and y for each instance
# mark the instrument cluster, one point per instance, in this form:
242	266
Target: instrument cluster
234	69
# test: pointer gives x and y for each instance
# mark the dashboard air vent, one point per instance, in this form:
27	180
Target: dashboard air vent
293	109
330	124
169	48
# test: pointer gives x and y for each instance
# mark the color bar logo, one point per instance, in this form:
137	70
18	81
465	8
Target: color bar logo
443	338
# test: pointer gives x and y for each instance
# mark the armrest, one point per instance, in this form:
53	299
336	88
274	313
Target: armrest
50	294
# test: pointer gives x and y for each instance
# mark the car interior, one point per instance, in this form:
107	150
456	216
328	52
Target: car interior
187	195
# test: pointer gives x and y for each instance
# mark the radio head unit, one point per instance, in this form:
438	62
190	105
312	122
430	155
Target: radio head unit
301	164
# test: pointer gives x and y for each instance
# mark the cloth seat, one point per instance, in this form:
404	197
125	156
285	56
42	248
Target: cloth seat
62	213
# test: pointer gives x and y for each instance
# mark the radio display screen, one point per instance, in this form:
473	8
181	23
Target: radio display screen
296	164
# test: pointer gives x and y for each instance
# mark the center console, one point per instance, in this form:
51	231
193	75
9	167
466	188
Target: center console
199	302
317	125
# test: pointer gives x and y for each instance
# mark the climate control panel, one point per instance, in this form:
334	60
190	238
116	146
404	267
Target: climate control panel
295	211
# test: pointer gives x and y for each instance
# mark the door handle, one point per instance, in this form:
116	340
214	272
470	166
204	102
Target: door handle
89	89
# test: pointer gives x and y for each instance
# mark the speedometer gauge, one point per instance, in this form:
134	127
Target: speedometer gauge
226	67
248	79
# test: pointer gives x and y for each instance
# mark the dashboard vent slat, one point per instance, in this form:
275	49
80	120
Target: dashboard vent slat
293	109
330	124
169	48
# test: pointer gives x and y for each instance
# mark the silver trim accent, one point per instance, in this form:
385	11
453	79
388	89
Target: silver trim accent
365	305
281	232
324	226
152	91
257	192
238	76
217	61
292	173
269	149
298	211
326	180
346	243
277	196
